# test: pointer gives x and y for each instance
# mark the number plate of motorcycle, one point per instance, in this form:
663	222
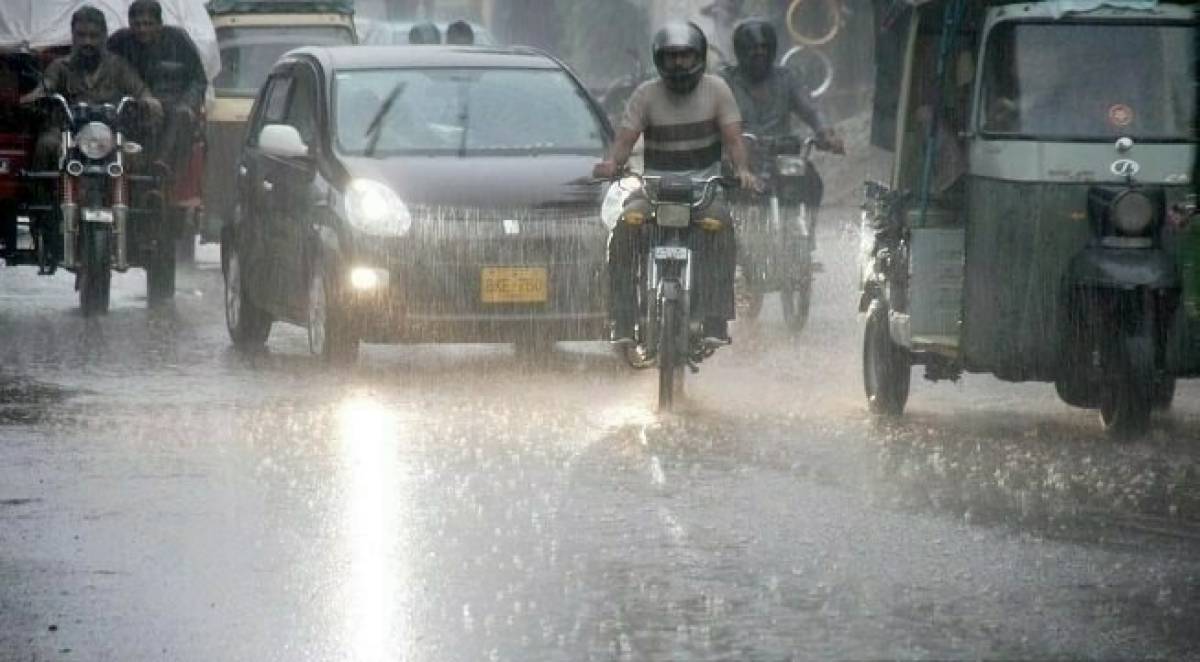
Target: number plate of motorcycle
98	215
674	216
513	285
670	253
791	166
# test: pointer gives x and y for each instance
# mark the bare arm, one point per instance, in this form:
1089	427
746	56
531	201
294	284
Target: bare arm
731	137
622	147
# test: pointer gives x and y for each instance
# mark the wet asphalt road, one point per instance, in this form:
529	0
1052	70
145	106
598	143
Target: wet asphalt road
164	498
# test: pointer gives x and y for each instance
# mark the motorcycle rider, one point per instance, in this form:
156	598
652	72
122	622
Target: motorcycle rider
168	62
768	95
686	117
88	74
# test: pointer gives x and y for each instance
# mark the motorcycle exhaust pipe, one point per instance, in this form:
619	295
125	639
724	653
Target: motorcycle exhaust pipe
70	216
120	207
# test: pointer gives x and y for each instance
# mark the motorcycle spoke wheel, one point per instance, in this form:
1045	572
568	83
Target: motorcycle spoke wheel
95	273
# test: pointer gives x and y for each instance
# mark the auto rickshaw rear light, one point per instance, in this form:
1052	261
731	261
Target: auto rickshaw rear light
635	217
711	224
1132	213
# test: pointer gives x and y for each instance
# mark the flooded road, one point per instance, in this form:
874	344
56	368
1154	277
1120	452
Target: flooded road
164	498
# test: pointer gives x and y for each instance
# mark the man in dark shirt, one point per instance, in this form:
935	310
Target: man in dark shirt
166	58
88	74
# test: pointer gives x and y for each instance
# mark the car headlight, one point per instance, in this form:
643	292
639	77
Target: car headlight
1132	213
375	209
614	200
95	140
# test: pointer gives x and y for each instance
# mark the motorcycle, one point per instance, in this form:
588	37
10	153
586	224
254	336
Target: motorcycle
96	230
666	333
776	228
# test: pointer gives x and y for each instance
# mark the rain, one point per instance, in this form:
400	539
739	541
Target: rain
406	428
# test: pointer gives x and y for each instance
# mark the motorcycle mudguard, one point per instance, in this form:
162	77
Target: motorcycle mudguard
1123	269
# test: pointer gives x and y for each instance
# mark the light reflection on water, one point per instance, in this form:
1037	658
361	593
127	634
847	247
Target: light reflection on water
376	508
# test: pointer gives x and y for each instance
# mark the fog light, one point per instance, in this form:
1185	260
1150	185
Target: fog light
366	278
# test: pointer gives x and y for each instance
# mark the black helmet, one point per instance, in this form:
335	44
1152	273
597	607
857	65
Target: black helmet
750	35
424	33
675	38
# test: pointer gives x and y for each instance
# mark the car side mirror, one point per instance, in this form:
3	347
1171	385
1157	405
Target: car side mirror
282	140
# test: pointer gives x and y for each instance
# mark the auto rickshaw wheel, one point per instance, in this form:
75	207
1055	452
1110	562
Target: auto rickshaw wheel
1164	394
94	278
1130	393
160	273
330	333
887	367
248	325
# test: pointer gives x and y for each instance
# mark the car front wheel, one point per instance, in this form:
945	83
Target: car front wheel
248	325
330	333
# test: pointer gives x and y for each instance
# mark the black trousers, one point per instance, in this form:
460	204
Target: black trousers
714	261
175	141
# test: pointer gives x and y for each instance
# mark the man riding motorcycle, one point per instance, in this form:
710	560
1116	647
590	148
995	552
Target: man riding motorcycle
89	74
768	95
168	62
686	116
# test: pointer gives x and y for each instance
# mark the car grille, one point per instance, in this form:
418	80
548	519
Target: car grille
453	245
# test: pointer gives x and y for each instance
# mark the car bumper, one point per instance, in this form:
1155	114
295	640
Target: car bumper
429	287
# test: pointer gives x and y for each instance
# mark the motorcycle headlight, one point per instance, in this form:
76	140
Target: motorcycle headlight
1132	213
614	200
375	209
95	140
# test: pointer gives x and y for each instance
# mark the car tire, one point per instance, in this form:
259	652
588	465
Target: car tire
248	325
331	336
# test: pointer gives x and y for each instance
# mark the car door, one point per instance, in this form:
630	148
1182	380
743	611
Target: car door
290	180
257	204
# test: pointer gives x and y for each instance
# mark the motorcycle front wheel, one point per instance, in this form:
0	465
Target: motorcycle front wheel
94	279
670	354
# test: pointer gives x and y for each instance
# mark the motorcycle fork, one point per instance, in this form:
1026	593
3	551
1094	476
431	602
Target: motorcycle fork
69	203
120	207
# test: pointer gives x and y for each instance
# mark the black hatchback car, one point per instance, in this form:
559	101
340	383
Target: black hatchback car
418	194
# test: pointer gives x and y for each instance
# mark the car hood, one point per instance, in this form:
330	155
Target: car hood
485	182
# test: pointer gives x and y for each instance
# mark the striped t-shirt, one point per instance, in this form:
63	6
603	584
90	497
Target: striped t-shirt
682	131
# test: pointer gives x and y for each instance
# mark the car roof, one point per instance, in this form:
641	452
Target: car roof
375	57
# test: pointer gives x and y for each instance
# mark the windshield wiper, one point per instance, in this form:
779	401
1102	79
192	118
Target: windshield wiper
374	128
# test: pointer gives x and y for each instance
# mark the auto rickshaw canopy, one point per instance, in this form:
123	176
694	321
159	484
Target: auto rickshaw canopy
222	7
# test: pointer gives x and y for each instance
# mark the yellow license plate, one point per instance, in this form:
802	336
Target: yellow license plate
513	285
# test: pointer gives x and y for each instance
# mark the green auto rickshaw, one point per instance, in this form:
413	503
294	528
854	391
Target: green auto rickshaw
1040	222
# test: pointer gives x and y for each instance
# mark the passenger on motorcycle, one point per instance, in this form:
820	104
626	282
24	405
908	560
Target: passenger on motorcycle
88	74
686	117
167	61
768	95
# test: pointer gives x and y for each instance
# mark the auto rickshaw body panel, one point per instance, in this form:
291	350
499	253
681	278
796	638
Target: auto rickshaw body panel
995	218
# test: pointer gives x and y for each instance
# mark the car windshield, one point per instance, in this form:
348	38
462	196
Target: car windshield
1088	81
463	111
248	53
